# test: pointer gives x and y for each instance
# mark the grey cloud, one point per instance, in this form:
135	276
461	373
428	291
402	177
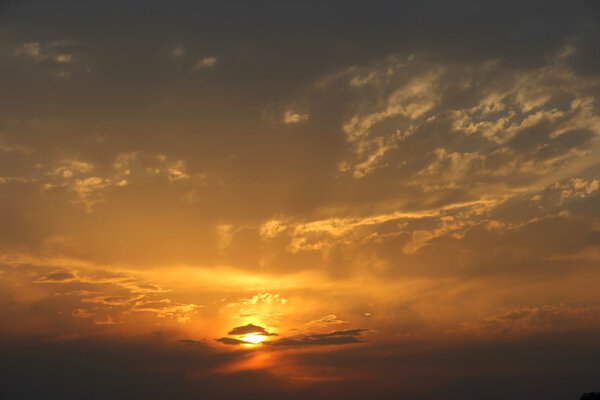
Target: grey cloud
543	318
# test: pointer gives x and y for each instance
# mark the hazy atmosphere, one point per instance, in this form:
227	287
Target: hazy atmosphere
299	199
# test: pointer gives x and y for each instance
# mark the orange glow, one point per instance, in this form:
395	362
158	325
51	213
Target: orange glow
214	206
254	338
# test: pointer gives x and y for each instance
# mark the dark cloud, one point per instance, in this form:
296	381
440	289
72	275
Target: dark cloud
250	328
349	336
244	330
193	343
590	396
60	276
341	337
231	341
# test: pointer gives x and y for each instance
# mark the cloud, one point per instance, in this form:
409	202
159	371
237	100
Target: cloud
112	300
548	317
339	337
181	312
82	313
327	320
178	51
14	179
292	117
231	341
272	228
58	277
193	343
87	188
106	293
88	182
349	336
61	58
70	168
106	321
266	304
440	149
173	170
415	96
14	148
205	63
401	189
78	177
266	298
250	328
409	104
323	234
577	188
38	52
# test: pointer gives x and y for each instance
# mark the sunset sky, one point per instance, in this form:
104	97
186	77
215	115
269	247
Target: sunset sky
299	199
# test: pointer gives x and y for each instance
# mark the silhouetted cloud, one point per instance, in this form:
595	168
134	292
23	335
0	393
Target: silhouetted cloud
231	341
349	336
193	343
590	396
340	337
250	328
60	276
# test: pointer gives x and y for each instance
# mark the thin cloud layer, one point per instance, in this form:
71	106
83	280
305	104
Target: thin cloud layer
349	336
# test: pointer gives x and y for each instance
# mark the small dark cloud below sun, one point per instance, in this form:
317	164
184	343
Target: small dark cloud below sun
231	341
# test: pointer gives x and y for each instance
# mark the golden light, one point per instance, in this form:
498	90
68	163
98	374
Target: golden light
254	338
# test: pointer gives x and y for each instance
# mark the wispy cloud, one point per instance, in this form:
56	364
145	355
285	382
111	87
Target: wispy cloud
60	58
349	336
205	63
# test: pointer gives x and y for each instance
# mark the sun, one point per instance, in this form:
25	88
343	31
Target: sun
254	338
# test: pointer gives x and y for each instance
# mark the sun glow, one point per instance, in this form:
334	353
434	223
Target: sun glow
254	338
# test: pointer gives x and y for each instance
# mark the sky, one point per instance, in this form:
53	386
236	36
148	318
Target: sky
299	199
